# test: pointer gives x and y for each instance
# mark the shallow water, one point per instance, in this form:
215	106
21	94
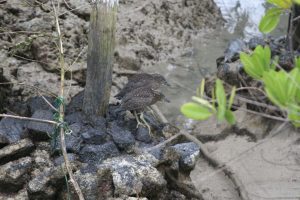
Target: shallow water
185	73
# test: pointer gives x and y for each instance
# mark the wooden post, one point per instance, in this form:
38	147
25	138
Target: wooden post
100	56
296	25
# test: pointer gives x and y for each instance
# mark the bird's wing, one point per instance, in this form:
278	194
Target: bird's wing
137	93
136	103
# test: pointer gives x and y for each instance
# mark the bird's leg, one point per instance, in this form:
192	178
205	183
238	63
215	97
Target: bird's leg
145	123
137	119
152	112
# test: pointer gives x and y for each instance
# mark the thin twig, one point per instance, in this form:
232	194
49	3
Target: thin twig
296	18
262	114
270	107
290	31
61	108
250	88
162	118
29	119
51	106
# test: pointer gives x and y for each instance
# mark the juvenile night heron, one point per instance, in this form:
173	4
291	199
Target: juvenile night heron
140	98
153	81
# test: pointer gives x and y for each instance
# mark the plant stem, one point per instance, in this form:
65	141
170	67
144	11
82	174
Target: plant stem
61	108
29	119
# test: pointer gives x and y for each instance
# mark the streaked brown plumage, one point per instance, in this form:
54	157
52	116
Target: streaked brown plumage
140	98
153	81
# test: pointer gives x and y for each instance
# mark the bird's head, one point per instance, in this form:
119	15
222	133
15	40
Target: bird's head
161	97
159	78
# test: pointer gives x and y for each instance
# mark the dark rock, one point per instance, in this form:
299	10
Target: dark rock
12	151
157	153
255	41
135	176
76	128
122	137
21	195
171	158
18	108
88	168
98	153
94	136
14	174
188	155
38	103
233	49
11	130
229	72
72	141
75	104
76	117
38	130
60	160
286	60
98	122
142	134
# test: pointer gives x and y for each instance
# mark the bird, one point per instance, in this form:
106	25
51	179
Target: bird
140	98
153	81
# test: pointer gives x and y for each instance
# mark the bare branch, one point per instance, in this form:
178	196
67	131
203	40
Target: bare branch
29	119
61	109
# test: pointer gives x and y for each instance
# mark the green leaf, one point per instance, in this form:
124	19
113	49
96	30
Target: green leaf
271	19
229	116
285	4
294	117
221	99
276	87
297	61
231	98
200	89
204	103
195	111
297	1
293	84
249	66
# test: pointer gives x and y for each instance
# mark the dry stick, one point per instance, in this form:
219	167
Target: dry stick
223	166
270	107
250	92
49	104
61	108
215	163
161	116
296	18
261	114
290	30
250	88
29	119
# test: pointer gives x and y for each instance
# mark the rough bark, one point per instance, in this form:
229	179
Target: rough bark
296	33
100	57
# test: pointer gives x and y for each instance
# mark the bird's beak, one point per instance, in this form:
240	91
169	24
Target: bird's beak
167	100
167	84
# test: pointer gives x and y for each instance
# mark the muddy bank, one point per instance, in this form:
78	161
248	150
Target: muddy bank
107	154
147	32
